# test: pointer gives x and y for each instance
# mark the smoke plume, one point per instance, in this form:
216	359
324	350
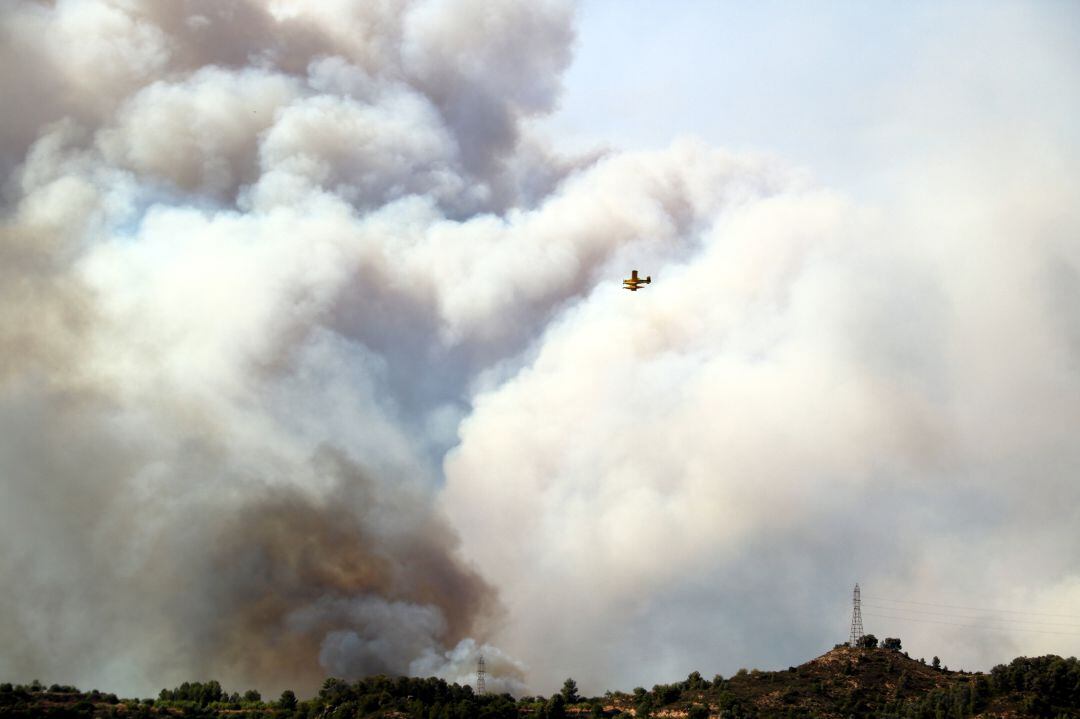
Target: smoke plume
225	385
313	361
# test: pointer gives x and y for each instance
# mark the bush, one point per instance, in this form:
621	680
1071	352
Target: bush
867	641
199	693
666	693
694	682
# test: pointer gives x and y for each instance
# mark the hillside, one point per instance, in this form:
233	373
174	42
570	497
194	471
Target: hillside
841	683
871	682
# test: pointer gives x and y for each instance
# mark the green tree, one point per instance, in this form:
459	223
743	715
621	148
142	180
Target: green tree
666	693
891	643
569	692
694	682
333	689
935	663
287	700
556	706
867	641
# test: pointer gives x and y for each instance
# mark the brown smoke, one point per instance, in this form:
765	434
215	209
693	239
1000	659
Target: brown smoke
286	552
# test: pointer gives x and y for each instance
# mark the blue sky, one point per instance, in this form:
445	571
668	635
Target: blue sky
844	89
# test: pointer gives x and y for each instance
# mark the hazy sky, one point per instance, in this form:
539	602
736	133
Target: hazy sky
839	88
314	358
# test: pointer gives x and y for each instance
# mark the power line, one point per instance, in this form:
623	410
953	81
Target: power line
975	609
1006	630
963	616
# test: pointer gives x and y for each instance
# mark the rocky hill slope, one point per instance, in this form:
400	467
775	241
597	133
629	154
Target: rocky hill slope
870	683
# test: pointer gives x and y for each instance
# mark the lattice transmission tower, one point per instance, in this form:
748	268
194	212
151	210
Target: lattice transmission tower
856	618
480	674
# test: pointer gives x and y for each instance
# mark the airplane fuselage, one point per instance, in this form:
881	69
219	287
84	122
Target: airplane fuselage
634	283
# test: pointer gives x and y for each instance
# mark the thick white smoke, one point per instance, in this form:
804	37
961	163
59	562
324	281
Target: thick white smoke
809	394
228	377
313	361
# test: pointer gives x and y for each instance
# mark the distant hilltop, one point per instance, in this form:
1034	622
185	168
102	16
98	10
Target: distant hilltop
868	682
883	683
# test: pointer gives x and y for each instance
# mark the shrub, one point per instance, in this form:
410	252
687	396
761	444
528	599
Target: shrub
694	682
867	641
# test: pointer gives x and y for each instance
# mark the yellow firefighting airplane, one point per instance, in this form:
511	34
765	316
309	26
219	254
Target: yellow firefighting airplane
634	284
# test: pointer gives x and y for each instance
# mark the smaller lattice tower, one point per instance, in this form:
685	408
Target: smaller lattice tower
856	618
480	674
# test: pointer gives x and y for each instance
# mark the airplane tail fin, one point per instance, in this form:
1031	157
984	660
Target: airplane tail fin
648	279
